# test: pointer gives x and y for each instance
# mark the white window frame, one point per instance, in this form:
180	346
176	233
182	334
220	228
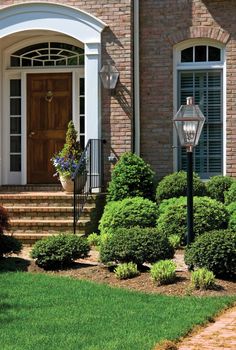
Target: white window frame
194	66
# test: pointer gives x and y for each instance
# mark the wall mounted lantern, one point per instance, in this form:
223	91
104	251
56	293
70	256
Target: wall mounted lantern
189	121
109	75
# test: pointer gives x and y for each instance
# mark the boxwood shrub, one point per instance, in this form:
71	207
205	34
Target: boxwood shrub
230	195
215	251
175	185
217	186
131	177
136	245
208	214
129	212
59	251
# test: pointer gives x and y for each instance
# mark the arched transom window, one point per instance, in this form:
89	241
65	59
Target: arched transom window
48	54
200	74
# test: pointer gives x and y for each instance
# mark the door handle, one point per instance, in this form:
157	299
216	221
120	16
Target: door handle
31	134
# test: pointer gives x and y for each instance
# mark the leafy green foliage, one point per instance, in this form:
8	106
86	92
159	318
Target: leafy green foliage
232	222
163	272
93	239
131	177
72	145
215	251
202	279
175	241
175	185
136	245
170	202
230	195
126	270
129	212
231	208
8	244
217	186
60	250
208	214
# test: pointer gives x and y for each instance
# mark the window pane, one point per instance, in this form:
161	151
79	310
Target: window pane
15	61
15	144
214	54
81	127
187	55
81	86
15	162
81	107
15	125
15	106
200	53
82	141
15	87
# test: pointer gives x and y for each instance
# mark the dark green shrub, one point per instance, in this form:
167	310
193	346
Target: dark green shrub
232	221
163	272
126	270
215	251
127	213
8	244
131	177
169	202
217	185
208	215
230	195
231	208
136	245
202	279
175	185
58	251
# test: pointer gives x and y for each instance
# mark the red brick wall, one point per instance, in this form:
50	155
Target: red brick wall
117	112
162	25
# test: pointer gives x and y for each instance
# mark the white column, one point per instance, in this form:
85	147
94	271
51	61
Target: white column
92	92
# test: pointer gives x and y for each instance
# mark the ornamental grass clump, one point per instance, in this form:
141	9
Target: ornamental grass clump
202	279
126	270
163	272
131	177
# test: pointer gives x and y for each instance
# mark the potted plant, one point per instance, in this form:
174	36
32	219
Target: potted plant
68	158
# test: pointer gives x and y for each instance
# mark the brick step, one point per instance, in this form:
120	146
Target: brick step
46	225
31	238
31	188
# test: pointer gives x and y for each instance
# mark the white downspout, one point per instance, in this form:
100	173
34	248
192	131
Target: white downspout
136	80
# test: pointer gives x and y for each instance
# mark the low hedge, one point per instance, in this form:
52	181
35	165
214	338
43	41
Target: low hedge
230	195
59	251
217	186
127	213
216	251
136	245
208	214
175	185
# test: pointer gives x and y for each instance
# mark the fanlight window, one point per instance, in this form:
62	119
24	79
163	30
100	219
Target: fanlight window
48	54
201	53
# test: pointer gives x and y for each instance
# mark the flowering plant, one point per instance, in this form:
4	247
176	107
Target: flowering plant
66	160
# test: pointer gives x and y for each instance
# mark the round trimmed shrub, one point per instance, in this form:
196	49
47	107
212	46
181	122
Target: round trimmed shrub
175	185
216	251
131	177
208	214
127	213
59	251
9	245
217	185
170	202
231	208
230	195
136	245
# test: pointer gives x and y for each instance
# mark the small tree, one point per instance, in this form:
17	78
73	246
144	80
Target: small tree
72	145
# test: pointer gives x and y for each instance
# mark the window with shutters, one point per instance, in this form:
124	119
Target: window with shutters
205	84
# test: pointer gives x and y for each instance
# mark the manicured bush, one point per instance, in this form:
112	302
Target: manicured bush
175	241
131	177
175	185
59	251
231	208
136	245
169	202
232	221
215	251
202	279
126	270
217	186
127	213
8	244
230	195
94	239
208	214
163	272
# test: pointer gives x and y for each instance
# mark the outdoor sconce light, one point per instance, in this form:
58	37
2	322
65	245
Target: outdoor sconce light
189	122
109	75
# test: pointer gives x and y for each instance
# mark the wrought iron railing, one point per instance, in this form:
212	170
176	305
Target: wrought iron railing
88	176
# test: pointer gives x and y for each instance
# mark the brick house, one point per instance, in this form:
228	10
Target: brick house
51	53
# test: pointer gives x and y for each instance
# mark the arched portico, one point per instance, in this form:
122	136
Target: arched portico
67	21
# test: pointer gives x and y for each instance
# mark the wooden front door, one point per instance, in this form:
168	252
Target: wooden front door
49	109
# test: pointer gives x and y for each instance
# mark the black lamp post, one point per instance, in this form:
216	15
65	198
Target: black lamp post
189	122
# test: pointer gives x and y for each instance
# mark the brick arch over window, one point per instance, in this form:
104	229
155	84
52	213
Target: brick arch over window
199	32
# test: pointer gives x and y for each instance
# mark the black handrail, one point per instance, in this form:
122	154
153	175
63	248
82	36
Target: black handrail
88	175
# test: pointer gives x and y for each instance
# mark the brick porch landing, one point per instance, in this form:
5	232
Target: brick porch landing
39	211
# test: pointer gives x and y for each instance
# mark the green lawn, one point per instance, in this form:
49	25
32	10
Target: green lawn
44	312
